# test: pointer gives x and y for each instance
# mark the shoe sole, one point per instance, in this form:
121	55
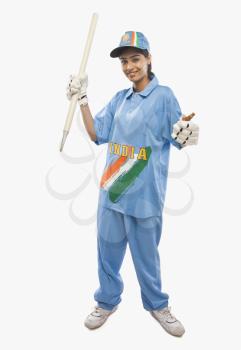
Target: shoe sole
93	328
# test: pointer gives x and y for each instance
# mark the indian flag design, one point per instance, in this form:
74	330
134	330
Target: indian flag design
121	174
134	39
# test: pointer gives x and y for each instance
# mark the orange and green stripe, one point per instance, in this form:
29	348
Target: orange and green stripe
134	39
114	168
121	174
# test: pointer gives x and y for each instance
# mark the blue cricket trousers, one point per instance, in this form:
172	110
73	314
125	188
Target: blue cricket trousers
114	231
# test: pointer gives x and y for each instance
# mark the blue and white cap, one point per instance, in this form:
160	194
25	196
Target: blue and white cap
131	39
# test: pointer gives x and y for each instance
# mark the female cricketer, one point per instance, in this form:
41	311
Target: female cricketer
139	124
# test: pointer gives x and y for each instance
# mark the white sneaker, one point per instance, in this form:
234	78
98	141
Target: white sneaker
168	321
98	317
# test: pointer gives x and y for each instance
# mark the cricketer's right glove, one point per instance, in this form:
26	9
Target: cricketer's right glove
78	85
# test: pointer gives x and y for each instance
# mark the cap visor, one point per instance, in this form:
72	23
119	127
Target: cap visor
116	52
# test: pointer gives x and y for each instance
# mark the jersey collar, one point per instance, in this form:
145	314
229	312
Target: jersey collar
148	89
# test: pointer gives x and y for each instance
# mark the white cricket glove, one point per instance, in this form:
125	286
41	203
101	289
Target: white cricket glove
185	132
78	85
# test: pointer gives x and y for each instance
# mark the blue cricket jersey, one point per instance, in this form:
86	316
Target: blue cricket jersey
137	127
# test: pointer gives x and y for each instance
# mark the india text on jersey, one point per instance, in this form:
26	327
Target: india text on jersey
121	173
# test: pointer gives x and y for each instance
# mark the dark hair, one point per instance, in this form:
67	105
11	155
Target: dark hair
145	52
149	72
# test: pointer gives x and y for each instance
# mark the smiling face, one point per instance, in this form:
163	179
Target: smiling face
134	64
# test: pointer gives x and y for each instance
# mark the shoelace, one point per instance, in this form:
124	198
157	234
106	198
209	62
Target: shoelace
167	312
97	312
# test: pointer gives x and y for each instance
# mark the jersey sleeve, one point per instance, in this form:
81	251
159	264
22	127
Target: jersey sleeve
103	121
174	113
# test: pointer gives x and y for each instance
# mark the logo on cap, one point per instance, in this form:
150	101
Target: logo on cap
125	37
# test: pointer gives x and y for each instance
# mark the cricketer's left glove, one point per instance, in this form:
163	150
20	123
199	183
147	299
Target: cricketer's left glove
185	132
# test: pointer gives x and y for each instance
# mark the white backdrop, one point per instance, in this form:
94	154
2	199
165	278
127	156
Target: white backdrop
49	200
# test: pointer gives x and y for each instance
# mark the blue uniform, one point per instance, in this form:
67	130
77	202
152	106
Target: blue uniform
137	127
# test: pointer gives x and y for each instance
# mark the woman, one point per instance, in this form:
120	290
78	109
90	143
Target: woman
139	124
